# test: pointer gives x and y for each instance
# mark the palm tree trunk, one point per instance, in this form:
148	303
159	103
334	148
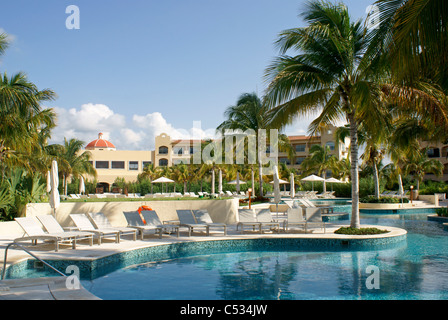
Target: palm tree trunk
213	180
65	184
376	180
354	170
260	171
260	177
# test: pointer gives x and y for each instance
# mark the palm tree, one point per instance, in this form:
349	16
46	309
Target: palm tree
331	74
418	165
416	39
71	162
374	147
151	172
319	160
22	118
250	113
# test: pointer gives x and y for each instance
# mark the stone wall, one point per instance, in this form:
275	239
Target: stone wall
224	211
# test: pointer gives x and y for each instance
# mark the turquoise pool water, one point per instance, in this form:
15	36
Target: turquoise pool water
416	269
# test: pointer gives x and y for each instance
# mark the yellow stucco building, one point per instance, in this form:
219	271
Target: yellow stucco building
111	163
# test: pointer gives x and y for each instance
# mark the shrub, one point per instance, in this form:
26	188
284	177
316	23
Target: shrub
360	231
373	199
442	212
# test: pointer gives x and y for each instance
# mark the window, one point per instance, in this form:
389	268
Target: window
331	145
163	162
163	150
102	164
433	152
191	150
285	161
299	160
181	161
133	165
117	164
300	147
146	163
178	150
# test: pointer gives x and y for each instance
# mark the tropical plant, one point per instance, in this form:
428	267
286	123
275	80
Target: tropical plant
19	188
418	164
250	115
331	74
319	160
71	162
150	172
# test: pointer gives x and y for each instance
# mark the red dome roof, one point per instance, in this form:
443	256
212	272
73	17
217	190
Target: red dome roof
100	143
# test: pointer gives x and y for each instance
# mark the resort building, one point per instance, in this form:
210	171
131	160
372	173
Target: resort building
111	163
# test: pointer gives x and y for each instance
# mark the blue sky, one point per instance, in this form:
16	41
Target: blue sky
136	68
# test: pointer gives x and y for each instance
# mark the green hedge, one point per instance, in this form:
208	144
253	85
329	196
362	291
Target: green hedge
360	231
373	199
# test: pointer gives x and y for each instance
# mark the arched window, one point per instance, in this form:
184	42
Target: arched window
163	162
163	150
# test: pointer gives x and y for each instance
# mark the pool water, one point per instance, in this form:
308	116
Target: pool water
416	269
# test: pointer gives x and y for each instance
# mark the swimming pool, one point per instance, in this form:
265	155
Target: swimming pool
415	269
410	269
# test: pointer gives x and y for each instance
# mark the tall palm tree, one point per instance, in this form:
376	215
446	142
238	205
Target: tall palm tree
416	38
22	118
71	162
331	74
319	160
151	172
249	113
418	165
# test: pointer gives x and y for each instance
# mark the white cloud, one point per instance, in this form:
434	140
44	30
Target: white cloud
10	38
138	133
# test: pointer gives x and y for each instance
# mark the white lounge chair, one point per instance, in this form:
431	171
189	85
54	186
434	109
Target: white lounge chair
52	226
294	218
314	216
34	232
202	216
247	217
83	223
135	221
152	219
100	221
264	217
187	220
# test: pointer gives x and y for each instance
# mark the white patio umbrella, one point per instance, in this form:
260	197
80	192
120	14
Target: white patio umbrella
277	196
48	181
54	183
333	180
292	192
82	185
163	180
313	178
237	182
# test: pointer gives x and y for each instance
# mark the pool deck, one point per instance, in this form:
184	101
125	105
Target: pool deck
55	288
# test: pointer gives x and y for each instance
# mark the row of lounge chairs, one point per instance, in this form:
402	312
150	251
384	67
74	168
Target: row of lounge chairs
139	196
92	226
295	217
306	194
